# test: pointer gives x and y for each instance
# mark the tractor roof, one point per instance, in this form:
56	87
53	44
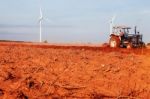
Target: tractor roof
121	27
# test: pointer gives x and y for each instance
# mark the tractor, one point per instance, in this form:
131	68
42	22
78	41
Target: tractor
121	37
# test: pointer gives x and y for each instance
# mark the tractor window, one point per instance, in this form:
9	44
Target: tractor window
126	31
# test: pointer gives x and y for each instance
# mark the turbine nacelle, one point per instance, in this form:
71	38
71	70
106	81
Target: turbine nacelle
41	19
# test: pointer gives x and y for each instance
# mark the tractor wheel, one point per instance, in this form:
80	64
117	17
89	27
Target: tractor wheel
129	46
142	45
114	42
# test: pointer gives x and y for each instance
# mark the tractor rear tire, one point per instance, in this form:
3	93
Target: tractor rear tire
142	45
114	42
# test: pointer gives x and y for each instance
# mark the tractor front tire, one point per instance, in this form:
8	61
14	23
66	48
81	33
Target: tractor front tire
129	46
114	42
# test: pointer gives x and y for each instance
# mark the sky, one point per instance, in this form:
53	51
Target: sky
71	21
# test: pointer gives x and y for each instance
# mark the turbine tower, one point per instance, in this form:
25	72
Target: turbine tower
40	21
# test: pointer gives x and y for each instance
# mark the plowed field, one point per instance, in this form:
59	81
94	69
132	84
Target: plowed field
43	71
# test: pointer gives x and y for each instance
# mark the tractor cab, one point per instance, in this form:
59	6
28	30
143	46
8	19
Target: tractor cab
121	31
121	37
117	30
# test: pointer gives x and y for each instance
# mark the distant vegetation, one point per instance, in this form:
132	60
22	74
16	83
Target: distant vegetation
45	41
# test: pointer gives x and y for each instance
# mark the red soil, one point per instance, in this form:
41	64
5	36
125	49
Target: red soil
42	71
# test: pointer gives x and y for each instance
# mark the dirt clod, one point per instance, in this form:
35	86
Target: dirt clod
1	92
21	95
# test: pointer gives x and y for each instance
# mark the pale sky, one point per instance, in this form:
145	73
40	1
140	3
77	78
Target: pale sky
71	21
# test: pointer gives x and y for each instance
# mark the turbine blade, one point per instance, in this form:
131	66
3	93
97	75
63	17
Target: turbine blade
112	23
41	14
47	19
113	18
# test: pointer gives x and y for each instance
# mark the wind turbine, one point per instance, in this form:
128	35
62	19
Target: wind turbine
112	23
40	21
41	18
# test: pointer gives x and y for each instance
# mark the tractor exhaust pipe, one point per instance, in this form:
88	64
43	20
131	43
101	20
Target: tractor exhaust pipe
135	30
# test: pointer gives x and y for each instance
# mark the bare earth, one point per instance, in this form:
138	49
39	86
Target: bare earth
33	71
